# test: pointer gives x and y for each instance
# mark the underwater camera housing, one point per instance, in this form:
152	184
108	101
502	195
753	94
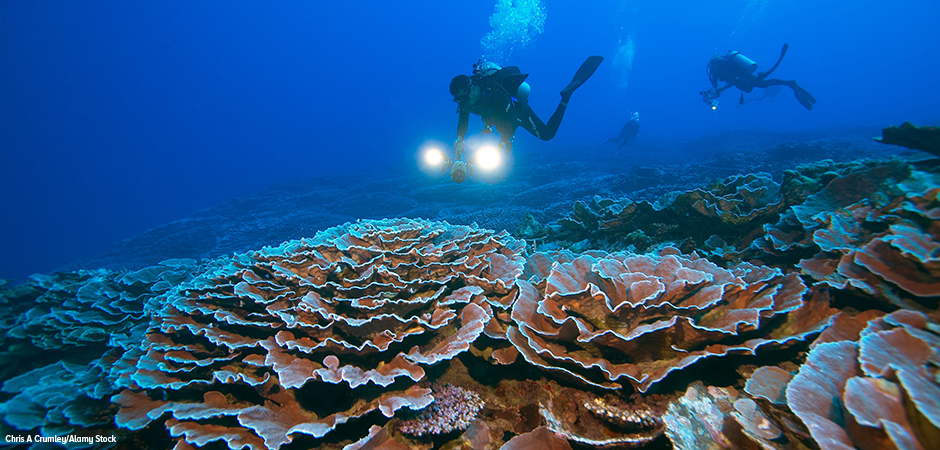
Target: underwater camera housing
710	97
459	171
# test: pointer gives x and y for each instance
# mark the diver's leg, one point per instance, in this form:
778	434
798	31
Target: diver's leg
773	82
805	98
539	129
554	121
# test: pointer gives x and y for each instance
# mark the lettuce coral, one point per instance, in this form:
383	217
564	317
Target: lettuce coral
241	353
880	391
599	318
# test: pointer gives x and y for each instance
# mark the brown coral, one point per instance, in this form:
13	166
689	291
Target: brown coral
367	304
878	392
886	246
733	207
598	423
708	417
600	318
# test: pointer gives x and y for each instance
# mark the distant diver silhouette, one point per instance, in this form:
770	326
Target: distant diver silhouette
629	131
770	93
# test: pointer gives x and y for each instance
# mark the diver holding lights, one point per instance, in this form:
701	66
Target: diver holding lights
486	157
499	95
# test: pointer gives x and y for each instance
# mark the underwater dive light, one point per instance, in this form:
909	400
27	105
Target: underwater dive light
434	157
710	96
487	158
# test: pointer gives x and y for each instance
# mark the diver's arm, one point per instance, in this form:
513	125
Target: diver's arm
722	89
463	123
505	142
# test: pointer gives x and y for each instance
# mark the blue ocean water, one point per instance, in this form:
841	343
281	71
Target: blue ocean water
116	117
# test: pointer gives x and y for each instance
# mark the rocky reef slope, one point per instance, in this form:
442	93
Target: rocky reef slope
543	183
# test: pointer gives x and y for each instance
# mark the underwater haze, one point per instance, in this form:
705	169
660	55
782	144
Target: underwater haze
117	117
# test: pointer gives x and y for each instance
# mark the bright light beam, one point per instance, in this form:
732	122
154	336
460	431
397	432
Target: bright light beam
488	158
433	156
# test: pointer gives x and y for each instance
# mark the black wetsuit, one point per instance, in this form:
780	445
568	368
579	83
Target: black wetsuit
500	110
746	82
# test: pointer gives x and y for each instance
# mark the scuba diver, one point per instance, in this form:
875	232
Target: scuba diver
499	95
629	131
738	71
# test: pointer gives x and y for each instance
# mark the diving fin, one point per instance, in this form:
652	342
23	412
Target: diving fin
804	97
783	52
584	72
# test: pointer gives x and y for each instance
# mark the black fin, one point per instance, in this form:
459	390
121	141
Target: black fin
783	52
804	97
584	72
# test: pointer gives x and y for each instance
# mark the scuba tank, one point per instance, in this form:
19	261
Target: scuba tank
729	67
741	63
518	92
522	92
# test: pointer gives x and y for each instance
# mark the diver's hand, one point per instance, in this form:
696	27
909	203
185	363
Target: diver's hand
709	94
458	149
486	130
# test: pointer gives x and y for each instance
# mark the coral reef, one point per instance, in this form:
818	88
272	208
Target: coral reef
712	417
67	338
612	426
601	317
354	313
719	220
453	409
541	438
880	391
735	202
875	232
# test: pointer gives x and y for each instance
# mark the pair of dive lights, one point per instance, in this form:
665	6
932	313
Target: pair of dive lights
486	158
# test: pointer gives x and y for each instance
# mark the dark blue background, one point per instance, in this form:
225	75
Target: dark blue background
118	116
